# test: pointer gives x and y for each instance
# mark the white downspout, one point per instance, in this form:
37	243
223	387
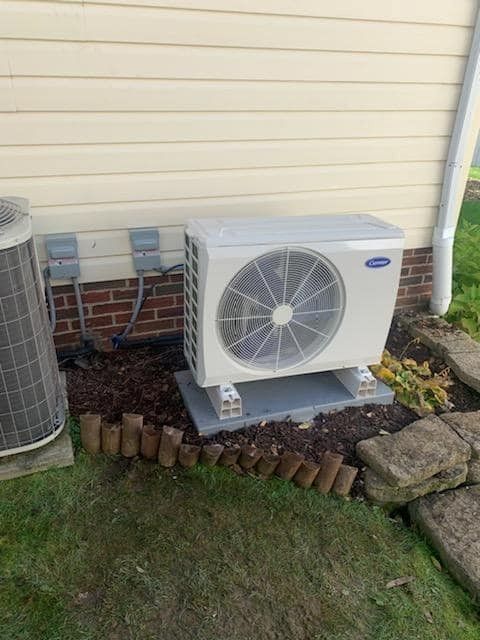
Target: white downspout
463	138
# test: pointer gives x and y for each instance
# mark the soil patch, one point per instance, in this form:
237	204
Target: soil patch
142	381
472	190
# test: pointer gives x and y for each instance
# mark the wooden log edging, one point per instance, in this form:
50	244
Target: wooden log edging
131	439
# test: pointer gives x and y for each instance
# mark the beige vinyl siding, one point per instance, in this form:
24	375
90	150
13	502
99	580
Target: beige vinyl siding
122	114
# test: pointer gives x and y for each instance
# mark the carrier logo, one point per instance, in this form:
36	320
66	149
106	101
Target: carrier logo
377	263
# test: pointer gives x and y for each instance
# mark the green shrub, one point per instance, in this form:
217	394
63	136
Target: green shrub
464	310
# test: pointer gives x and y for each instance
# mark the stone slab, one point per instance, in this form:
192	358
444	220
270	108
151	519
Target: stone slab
382	493
298	398
466	366
467	425
417	452
437	334
57	453
451	523
473	475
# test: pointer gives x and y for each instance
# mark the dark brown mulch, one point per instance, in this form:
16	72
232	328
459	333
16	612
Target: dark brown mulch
142	381
472	190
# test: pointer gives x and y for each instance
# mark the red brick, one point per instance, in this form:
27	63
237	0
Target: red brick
421	288
409	280
171	312
123	318
96	321
401	292
152	327
405	271
428	278
113	307
59	301
422	251
62	327
159	302
179	300
180	323
63	288
97	296
421	268
422	259
124	294
70	339
108	284
69	313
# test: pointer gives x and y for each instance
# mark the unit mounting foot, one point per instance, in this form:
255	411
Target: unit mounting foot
225	400
359	381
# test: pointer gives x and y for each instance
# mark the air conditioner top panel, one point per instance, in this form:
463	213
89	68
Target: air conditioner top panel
221	232
15	222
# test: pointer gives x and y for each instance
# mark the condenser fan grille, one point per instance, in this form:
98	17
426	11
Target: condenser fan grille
9	212
281	309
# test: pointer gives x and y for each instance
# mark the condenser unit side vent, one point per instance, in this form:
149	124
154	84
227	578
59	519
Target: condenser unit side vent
31	399
191	302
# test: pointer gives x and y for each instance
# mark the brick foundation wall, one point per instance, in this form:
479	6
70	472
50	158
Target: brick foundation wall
108	305
415	286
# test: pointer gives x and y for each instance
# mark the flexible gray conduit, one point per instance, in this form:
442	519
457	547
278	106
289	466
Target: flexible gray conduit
52	311
81	315
136	309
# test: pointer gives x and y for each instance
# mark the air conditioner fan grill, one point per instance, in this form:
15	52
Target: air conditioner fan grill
9	212
281	309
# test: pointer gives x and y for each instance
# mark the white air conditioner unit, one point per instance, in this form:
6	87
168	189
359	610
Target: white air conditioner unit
31	400
273	297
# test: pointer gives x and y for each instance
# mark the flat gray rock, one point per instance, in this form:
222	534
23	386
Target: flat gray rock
467	425
421	450
466	366
451	522
382	493
473	475
58	453
438	335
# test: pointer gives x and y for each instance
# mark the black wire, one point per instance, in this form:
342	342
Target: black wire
162	272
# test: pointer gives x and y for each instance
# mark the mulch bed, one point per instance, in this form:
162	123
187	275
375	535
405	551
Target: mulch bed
141	381
472	190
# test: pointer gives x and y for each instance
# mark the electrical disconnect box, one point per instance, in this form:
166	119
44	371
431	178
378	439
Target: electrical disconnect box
62	251
146	249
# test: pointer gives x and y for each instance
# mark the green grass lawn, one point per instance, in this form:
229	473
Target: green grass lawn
107	551
471	211
474	173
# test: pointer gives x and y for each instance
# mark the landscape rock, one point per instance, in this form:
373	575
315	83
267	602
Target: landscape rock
467	425
466	365
419	451
382	493
473	474
437	334
451	522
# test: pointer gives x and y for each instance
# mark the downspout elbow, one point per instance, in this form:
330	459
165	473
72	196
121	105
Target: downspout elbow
442	268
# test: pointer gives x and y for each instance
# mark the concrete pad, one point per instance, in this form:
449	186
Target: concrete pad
451	523
57	453
298	398
467	425
382	493
417	452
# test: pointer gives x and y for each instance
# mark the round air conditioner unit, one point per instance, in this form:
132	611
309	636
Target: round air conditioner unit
31	400
281	309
